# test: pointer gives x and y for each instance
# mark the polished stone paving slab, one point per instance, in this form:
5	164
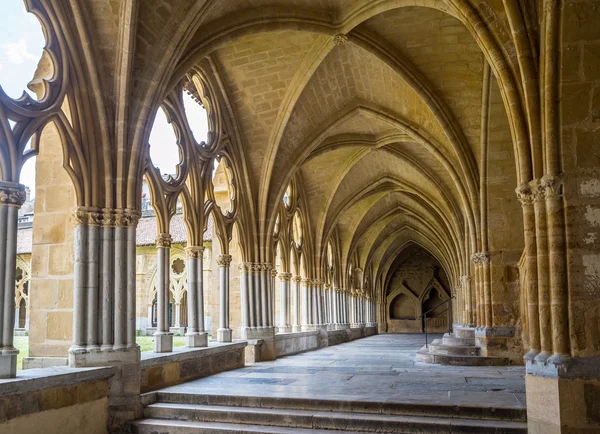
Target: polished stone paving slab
379	368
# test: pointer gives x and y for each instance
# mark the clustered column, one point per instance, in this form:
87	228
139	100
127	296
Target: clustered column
545	255
224	333
163	338
195	336
257	300
285	304
12	196
103	284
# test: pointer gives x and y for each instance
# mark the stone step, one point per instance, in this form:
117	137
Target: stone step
438	347
327	420
426	356
481	411
162	426
450	339
464	332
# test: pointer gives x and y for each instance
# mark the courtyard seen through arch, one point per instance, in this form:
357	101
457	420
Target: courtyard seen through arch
296	191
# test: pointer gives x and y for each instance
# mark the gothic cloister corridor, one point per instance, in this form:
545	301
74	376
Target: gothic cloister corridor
282	197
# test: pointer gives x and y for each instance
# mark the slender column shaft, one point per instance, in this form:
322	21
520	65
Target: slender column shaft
192	294
120	285
559	294
244	296
297	303
91	284
131	286
264	296
319	299
252	296
79	279
200	290
541	236
163	339
284	299
257	294
224	332
305	302
107	289
9	283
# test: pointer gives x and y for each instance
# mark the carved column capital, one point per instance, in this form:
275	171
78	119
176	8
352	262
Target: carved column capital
87	216
481	258
244	267
223	260
306	280
551	185
327	286
255	267
163	241
126	217
12	194
525	194
285	276
296	279
194	252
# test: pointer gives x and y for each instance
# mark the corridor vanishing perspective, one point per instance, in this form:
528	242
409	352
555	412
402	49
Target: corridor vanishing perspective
263	178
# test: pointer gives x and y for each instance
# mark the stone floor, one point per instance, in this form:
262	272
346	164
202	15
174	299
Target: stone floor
377	368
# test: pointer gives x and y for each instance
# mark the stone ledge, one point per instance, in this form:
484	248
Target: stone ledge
185	364
291	335
32	380
183	353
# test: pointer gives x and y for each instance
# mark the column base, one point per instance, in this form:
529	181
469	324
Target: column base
284	329
224	335
8	363
258	333
563	398
196	340
163	343
498	342
296	328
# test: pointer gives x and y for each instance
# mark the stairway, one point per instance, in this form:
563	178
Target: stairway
457	348
179	413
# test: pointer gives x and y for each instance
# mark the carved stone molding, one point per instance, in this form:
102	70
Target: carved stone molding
164	241
244	267
194	252
296	279
127	217
12	194
223	260
465	281
306	281
273	272
551	185
327	287
285	276
525	194
340	39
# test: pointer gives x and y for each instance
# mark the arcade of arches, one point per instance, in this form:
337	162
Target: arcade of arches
365	162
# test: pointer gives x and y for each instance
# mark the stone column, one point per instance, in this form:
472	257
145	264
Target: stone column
264	294
12	196
465	283
149	316
305	304
284	325
552	186
296	327
543	281
224	333
195	336
244	295
177	320
526	196
272	307
163	338
319	300
17	311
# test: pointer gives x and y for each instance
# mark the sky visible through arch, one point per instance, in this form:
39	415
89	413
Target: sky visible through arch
21	46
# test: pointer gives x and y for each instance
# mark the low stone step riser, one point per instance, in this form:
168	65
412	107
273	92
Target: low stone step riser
454	351
464	333
167	429
464	342
366	407
454	360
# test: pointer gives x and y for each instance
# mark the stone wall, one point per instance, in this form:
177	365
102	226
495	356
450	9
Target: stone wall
51	288
55	401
